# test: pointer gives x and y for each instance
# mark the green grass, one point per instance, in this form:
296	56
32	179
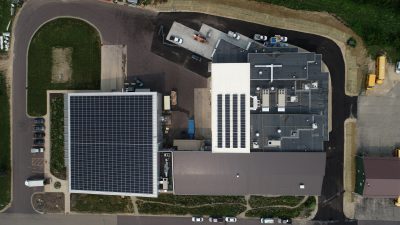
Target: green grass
101	204
377	22
5	14
261	201
5	174
57	166
212	210
62	33
303	210
195	200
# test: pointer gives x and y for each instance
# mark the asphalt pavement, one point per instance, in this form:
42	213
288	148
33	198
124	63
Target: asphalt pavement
135	27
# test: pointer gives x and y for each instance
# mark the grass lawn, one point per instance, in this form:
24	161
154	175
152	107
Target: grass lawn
101	204
195	200
261	201
376	21
5	14
85	60
212	210
5	174
57	166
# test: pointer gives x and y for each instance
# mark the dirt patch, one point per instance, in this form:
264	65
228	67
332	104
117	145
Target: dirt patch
48	202
61	70
349	166
113	67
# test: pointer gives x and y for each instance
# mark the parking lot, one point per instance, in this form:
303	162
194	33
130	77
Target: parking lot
378	119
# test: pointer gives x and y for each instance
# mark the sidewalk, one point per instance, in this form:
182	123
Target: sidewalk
318	23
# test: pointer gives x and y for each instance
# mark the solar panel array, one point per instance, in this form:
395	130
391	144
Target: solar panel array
111	147
231	111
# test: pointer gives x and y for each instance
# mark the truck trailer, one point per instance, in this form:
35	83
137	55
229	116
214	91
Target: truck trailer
371	81
380	69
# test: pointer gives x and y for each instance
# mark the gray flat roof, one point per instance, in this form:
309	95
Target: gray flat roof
262	173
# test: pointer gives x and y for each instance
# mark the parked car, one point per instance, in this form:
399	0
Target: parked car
398	67
38	142
216	219
234	35
176	39
38	135
38	128
284	221
39	120
259	37
267	220
197	219
230	219
37	149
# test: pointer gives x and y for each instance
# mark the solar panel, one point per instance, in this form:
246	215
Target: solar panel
111	143
234	120
242	121
219	122
227	121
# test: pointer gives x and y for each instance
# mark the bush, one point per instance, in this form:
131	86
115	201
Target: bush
195	200
261	201
211	210
352	42
57	165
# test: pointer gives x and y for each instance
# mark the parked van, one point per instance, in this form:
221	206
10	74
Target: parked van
267	220
34	183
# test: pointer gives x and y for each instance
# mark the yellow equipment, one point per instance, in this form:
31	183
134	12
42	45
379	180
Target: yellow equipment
397	202
371	81
380	69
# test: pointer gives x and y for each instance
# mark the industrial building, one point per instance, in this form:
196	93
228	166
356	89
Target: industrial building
378	177
268	102
112	142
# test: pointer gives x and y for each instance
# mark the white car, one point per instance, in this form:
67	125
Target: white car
259	37
197	219
266	220
398	67
37	150
230	219
176	39
234	35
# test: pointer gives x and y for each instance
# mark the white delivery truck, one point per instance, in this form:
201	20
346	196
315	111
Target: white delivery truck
34	182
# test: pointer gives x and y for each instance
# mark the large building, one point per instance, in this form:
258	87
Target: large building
270	102
112	143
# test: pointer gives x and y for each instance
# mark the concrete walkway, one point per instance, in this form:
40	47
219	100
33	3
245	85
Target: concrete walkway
318	23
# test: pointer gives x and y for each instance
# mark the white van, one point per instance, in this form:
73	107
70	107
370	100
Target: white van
34	183
37	149
267	220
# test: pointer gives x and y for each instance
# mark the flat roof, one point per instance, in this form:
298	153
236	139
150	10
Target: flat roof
230	115
382	177
272	173
112	143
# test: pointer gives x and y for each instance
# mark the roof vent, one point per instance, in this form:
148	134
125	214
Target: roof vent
279	130
302	186
314	126
257	134
260	72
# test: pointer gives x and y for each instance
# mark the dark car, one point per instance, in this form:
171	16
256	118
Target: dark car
38	142
39	120
196	57
216	219
38	128
38	135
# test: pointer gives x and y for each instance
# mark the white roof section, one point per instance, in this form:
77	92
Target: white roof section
230	107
